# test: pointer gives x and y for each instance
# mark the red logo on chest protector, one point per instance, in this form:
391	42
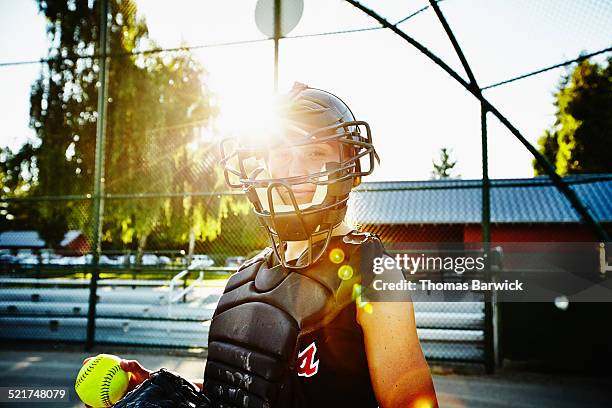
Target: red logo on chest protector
306	364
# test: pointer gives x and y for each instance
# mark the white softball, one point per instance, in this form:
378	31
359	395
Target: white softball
101	382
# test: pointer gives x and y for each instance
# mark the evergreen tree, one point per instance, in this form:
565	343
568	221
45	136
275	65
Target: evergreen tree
579	140
444	167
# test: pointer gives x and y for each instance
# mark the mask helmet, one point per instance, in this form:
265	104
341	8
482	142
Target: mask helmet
316	116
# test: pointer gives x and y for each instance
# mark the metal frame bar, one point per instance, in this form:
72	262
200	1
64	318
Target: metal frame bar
575	202
490	335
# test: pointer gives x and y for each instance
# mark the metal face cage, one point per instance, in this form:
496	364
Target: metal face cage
314	222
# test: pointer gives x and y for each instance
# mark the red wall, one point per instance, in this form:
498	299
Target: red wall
531	233
473	233
80	245
417	233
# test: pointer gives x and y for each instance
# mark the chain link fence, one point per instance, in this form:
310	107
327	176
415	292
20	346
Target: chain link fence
161	289
171	233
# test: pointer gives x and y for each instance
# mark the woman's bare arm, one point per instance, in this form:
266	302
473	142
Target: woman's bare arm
399	372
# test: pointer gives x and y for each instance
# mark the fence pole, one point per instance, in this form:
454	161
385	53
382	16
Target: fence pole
277	35
489	305
98	198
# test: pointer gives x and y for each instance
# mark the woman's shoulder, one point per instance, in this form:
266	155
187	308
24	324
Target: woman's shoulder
367	244
259	257
357	237
248	269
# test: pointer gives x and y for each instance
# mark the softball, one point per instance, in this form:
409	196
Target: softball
101	382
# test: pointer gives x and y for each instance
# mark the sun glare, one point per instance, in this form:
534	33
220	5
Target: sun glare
254	121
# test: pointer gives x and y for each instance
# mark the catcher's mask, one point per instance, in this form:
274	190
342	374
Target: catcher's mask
309	118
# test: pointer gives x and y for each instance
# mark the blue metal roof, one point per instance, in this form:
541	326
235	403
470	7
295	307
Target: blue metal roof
459	201
21	239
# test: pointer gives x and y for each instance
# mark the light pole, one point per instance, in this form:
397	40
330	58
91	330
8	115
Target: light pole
275	19
98	197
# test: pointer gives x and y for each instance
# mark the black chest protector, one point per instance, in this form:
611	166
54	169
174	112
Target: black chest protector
264	312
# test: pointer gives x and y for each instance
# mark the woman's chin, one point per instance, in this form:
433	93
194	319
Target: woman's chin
300	197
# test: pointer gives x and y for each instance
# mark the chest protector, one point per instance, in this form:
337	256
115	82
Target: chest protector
264	311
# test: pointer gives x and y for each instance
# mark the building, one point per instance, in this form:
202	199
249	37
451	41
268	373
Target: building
522	210
15	240
75	242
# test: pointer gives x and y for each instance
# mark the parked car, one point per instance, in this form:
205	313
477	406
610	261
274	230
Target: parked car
147	260
27	257
107	260
8	259
164	260
78	260
234	261
201	260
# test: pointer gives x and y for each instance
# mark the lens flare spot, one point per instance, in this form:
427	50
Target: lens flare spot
423	403
360	303
336	255
345	272
368	308
356	291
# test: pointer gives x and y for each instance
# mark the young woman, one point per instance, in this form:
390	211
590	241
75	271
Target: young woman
293	327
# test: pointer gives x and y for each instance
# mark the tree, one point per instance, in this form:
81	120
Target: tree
156	104
16	175
443	169
579	140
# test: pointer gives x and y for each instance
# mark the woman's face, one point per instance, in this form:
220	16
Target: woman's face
300	161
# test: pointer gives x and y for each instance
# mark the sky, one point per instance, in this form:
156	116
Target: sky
413	107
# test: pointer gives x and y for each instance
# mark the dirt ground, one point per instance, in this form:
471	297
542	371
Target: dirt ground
456	386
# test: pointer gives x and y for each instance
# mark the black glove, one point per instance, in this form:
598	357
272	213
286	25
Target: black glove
164	389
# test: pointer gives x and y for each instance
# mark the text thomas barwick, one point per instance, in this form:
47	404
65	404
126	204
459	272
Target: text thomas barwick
425	284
